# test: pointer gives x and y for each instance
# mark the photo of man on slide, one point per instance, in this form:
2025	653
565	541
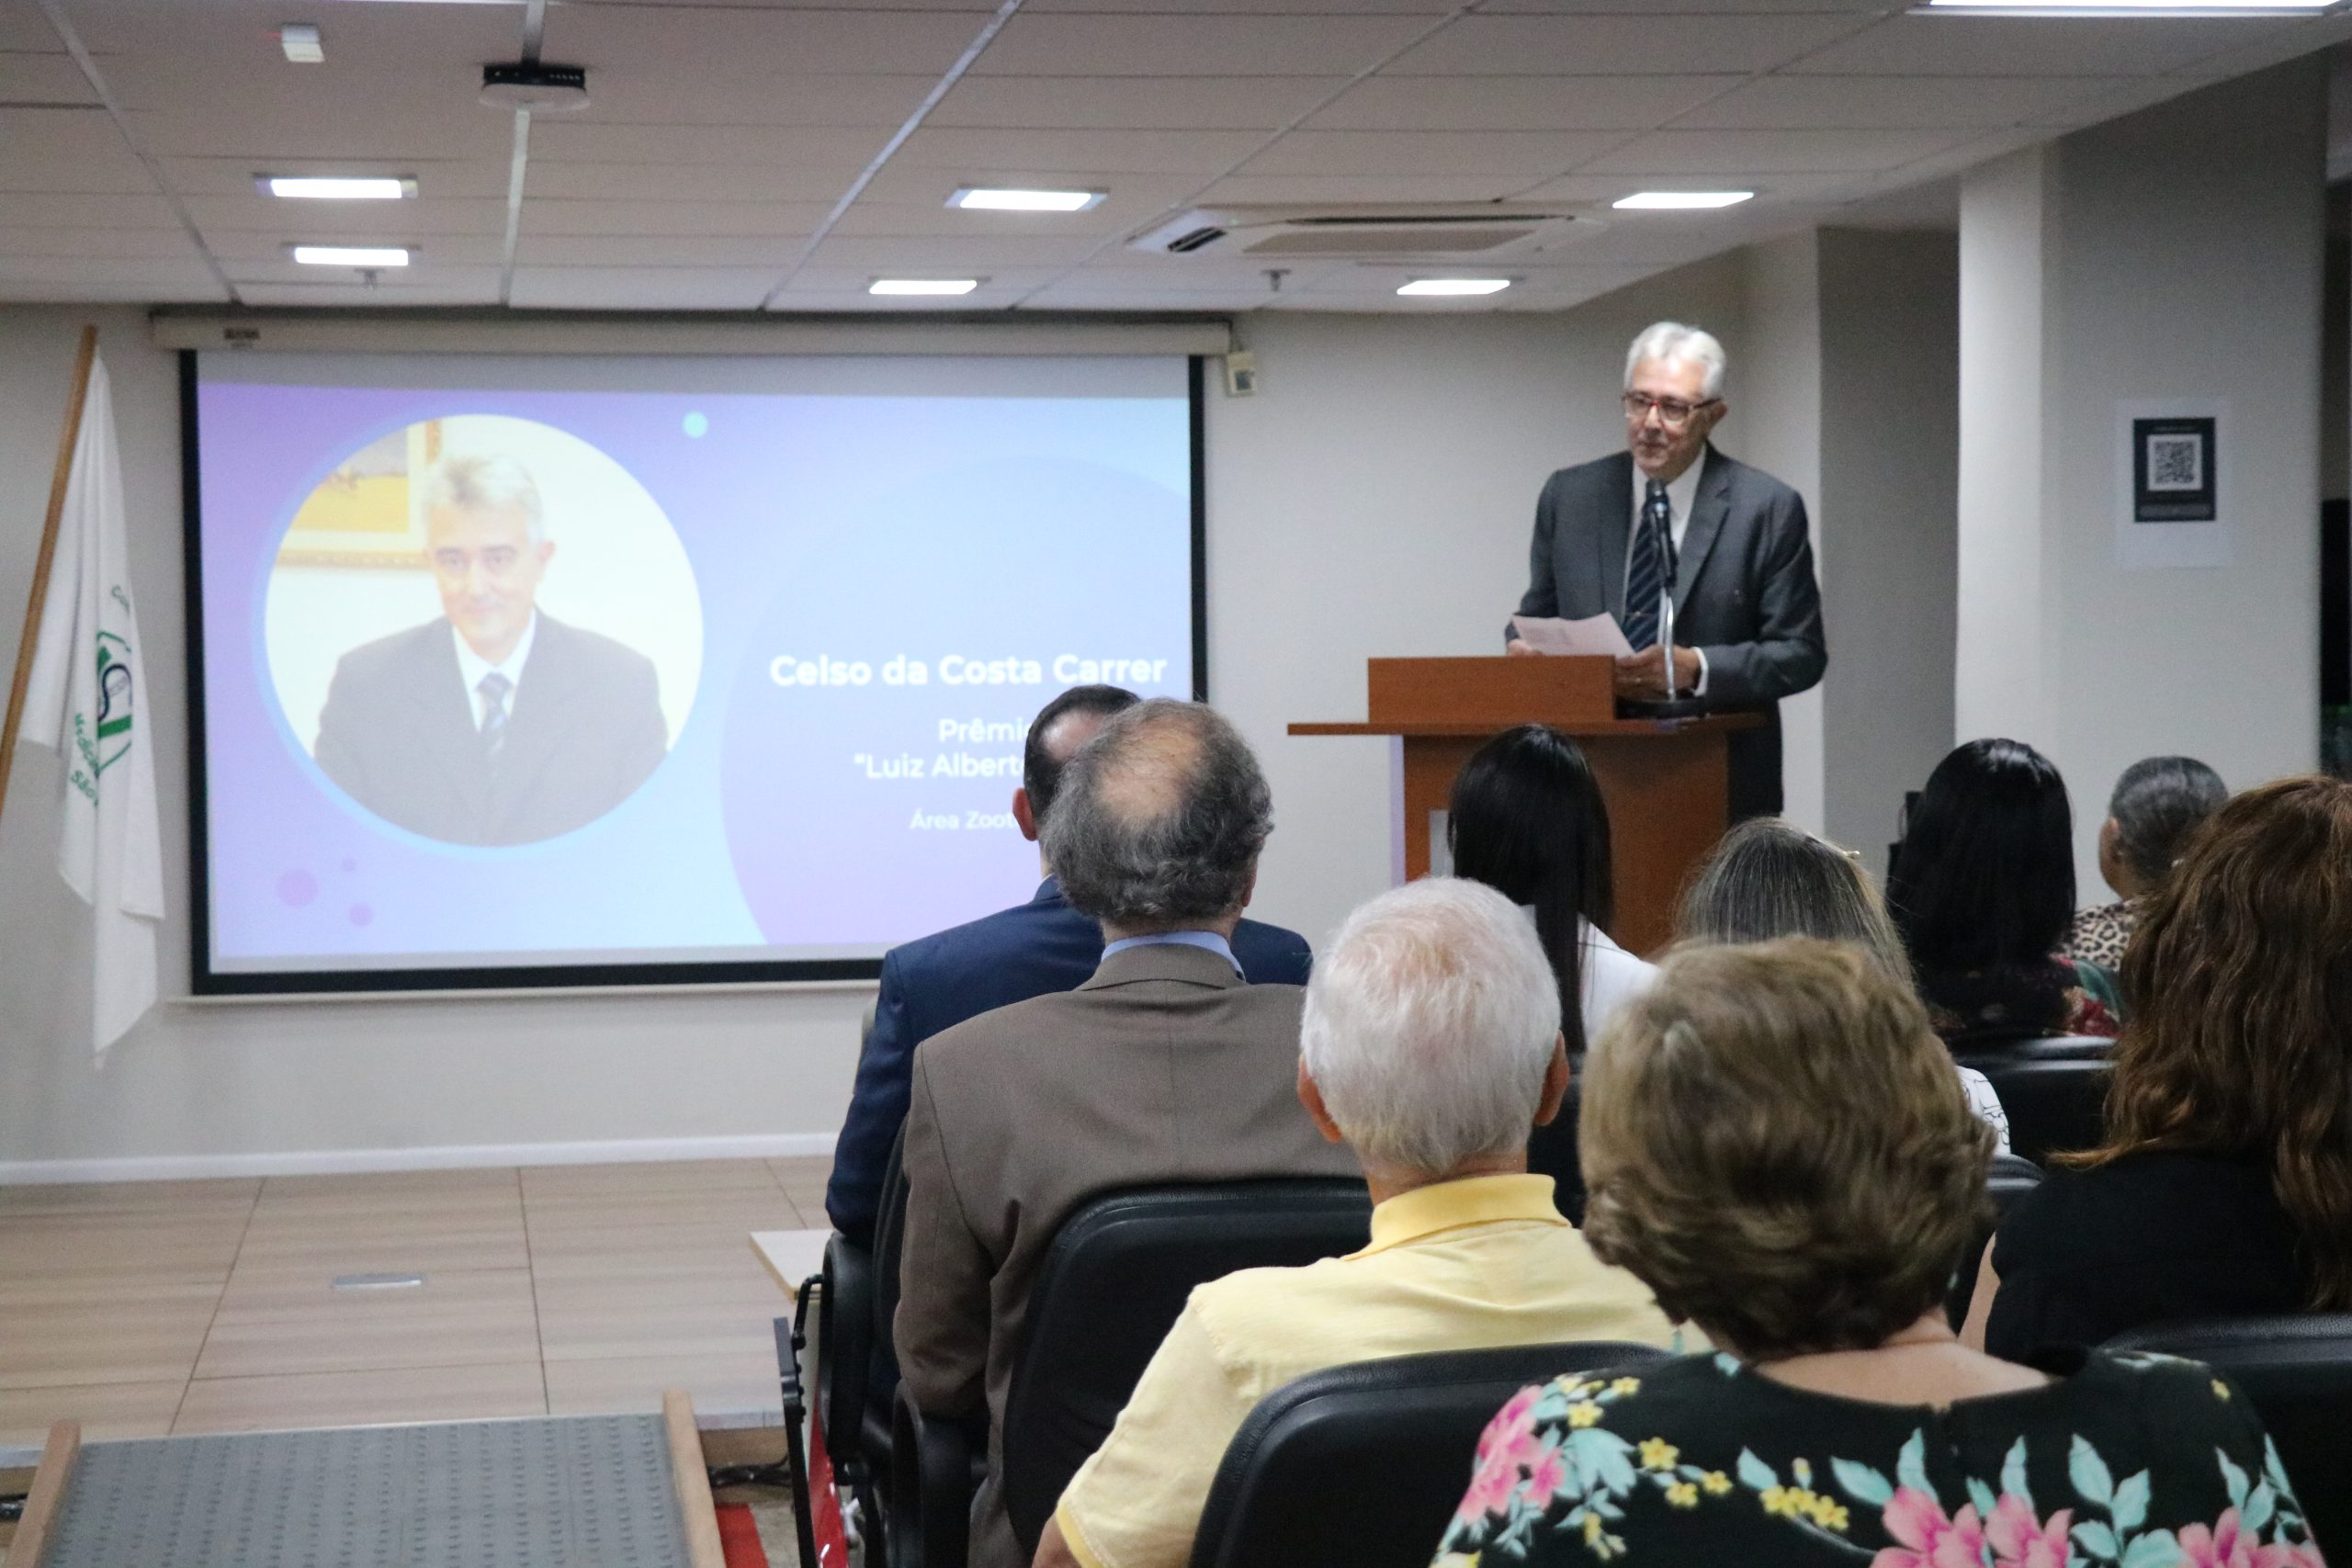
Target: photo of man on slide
494	723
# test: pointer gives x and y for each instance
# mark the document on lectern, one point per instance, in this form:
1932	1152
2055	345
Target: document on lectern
1594	635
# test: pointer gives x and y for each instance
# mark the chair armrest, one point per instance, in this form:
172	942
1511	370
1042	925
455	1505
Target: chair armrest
845	1350
930	1488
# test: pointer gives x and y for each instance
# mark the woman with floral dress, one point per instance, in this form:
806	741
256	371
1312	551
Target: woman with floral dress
1774	1142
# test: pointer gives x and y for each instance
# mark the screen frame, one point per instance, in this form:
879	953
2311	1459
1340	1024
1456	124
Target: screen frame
206	981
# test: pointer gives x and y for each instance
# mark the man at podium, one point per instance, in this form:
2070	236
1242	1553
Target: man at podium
1671	518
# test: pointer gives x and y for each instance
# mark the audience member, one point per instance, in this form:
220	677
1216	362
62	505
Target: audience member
1774	1142
2156	804
1770	878
1432	1043
1027	950
1527	820
1982	889
2224	1184
1165	1067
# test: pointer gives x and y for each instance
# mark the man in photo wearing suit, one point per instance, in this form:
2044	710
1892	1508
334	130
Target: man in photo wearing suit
1729	540
936	982
1166	1067
496	724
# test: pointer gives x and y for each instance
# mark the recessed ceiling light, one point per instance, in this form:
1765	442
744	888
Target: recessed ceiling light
988	198
922	286
1456	286
351	255
300	41
2134	7
338	187
1679	200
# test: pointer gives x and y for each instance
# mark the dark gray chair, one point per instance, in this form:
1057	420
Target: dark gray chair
2053	1089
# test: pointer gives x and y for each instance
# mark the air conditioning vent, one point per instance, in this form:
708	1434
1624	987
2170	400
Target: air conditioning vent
1400	232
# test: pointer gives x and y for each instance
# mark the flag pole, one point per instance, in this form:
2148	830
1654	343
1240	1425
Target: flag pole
47	556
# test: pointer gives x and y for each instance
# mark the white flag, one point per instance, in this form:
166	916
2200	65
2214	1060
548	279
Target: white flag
89	700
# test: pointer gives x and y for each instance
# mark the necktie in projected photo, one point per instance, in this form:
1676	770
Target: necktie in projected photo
493	688
1647	574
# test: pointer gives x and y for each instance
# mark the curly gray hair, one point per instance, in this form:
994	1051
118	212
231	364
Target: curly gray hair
1158	818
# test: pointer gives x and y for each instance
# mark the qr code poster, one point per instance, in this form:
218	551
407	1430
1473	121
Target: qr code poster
2169	506
2173	478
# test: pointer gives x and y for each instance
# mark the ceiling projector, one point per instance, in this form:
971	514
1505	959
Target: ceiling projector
543	89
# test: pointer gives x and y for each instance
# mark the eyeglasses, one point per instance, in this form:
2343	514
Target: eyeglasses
1672	413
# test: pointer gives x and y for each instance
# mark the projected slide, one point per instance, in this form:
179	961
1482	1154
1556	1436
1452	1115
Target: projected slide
565	668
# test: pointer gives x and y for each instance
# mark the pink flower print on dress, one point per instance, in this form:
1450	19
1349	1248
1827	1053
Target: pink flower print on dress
2019	1540
1507	1445
1930	1540
2224	1546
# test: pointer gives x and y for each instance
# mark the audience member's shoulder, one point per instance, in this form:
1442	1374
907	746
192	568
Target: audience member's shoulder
1272	953
2140	1203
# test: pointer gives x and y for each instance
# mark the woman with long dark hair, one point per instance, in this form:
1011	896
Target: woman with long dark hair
1527	820
2224	1183
1982	890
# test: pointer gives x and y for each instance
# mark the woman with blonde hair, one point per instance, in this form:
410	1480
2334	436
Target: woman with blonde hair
1774	1142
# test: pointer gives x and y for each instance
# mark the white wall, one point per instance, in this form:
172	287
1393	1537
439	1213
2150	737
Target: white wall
1374	498
2173	254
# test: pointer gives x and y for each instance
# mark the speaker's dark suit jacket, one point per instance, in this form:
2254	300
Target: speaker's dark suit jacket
400	735
1744	594
938	981
1164	1067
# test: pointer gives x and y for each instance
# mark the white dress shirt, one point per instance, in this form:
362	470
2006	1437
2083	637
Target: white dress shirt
472	667
1680	493
1607	976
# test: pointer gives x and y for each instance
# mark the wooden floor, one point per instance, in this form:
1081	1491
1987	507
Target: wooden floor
149	1308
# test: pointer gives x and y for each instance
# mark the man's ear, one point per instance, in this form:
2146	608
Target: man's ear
1312	1098
545	549
1555	1083
1023	817
1249	888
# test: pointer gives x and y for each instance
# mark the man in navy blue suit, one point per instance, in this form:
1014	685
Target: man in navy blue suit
1030	950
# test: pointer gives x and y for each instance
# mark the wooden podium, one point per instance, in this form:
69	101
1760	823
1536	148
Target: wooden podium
1666	781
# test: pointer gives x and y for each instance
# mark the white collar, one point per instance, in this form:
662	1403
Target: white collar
472	666
1681	494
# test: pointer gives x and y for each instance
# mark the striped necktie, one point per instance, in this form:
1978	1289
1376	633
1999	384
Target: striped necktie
1647	576
493	688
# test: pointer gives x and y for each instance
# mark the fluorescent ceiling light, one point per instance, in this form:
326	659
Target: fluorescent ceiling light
2134	7
300	41
923	285
1679	200
338	187
983	199
1456	286
351	255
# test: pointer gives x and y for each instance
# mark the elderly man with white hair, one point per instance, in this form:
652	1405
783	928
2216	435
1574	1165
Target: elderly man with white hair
1431	1045
1673	518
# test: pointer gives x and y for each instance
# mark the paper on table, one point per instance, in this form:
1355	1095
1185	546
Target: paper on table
1595	634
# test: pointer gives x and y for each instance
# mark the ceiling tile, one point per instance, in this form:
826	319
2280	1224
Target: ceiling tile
680	44
2032	46
1726	7
1520	155
1114	216
1286	189
686	219
948	258
773	252
107	244
639	288
476	177
1131	103
1584	186
242	34
684	182
189	286
1256	45
910	184
251	212
176	275
657	93
1000	286
847	148
67	149
24	31
264	134
1430	9
1610	45
110	210
1516	103
988	152
1893	103
238	251
1771	151
42	79
475	285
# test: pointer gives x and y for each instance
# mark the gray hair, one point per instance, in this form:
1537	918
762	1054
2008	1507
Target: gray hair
1768	878
1671	341
1158	818
2157	803
1430	1024
486	482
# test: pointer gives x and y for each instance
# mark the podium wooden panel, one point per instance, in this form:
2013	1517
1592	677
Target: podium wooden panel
1667	780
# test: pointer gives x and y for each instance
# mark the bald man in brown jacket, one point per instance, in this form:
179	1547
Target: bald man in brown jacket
1166	1067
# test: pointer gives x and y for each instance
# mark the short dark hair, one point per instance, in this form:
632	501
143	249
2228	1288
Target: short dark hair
2156	804
1161	818
1527	818
1041	771
1985	874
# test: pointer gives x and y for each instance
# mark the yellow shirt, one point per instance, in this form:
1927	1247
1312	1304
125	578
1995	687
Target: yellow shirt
1459	1266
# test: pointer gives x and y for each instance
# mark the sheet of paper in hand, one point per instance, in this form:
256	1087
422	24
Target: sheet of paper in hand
1595	634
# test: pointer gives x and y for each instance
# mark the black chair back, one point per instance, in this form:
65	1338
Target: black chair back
1109	1288
2054	1089
2298	1371
2009	1180
1364	1465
